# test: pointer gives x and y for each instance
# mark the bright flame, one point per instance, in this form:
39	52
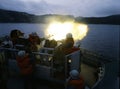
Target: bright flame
59	30
79	31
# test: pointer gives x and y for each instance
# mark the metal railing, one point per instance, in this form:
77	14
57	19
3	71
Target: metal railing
72	61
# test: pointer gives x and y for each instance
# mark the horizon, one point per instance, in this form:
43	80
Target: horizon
86	8
59	14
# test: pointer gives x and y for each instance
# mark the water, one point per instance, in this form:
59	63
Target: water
102	39
24	27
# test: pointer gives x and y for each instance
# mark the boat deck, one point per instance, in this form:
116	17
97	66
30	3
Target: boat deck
87	72
16	82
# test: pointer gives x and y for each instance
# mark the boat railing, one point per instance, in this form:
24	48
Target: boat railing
45	51
46	62
72	61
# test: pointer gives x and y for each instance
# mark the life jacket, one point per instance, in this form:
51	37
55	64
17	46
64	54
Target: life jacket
24	64
34	39
76	83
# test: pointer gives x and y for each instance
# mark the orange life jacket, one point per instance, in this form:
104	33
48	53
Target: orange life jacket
24	64
77	83
34	39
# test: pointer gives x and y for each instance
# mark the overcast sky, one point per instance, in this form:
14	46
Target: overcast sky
73	7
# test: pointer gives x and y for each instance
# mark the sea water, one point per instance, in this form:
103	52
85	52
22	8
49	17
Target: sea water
102	39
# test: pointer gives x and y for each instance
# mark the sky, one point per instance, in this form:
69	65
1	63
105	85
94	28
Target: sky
85	8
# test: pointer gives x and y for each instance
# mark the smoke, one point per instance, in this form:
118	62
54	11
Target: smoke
58	30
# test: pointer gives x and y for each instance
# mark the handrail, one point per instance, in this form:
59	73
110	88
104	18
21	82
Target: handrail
47	48
39	53
72	53
10	49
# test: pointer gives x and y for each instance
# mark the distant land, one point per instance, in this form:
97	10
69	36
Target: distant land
7	16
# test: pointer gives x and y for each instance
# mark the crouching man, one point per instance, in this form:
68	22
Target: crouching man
75	81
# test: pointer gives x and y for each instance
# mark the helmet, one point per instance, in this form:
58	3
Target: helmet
21	53
74	74
69	35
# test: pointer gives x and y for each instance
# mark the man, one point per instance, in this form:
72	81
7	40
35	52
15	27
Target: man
68	45
69	41
75	81
19	41
26	68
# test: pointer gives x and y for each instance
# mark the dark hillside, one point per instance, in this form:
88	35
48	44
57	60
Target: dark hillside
7	16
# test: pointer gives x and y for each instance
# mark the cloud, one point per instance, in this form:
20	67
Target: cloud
72	7
13	5
109	9
95	7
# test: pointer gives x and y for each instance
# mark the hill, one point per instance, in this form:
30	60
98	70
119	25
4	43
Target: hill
113	19
7	16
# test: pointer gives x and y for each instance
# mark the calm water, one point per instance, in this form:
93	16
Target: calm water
102	39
